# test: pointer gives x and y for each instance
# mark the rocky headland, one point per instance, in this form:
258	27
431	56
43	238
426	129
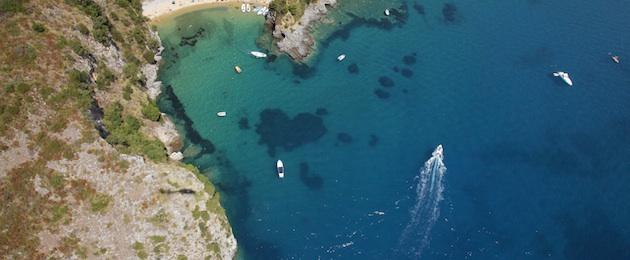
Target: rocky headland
292	31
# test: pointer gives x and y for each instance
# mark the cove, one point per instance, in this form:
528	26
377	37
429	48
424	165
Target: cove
533	168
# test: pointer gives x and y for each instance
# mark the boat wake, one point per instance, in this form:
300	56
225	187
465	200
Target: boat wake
426	210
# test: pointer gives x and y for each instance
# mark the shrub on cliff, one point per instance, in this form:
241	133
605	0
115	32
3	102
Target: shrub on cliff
295	7
150	111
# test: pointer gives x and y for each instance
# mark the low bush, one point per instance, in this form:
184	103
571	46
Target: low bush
38	27
151	111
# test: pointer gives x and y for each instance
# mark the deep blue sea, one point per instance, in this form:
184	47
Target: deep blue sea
532	168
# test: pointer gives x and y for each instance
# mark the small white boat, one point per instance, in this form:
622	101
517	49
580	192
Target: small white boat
243	8
221	114
616	59
248	8
238	69
280	167
564	76
341	57
258	54
386	12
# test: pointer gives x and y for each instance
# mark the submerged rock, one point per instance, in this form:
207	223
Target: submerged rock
277	129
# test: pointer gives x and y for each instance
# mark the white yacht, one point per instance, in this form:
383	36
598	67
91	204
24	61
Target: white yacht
564	76
280	168
386	12
341	57
221	114
616	59
243	8
248	8
258	54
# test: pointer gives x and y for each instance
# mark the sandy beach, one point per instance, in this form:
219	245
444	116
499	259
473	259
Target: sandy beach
158	8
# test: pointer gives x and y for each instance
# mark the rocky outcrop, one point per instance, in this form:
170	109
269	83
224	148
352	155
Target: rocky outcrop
293	36
150	71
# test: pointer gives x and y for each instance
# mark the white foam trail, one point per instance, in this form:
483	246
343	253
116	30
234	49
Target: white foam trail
424	214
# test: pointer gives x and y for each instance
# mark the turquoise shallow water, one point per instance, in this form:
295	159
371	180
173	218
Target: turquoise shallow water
535	169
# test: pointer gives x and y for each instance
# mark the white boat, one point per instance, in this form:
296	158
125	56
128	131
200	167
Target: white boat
221	114
248	8
243	8
238	69
341	57
616	59
280	167
564	76
386	12
258	54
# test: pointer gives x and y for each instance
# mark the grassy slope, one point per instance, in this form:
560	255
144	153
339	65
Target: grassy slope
43	93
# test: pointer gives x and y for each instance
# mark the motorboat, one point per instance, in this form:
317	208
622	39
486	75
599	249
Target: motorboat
238	69
248	8
616	59
258	54
280	168
243	8
386	12
221	114
564	76
341	57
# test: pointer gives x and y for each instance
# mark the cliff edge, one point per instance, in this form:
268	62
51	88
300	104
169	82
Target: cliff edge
88	165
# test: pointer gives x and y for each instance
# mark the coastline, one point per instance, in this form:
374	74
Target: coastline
158	10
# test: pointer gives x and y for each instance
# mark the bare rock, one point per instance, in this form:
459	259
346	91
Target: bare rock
294	37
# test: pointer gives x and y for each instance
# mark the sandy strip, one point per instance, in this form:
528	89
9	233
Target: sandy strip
157	8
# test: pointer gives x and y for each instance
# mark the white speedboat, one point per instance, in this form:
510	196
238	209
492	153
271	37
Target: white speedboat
564	76
341	57
243	8
248	8
616	59
386	12
221	114
280	167
258	54
238	69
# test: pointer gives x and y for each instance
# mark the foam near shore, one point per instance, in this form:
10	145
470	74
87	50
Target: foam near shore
157	8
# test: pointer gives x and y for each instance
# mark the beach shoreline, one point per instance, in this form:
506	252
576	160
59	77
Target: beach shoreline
158	10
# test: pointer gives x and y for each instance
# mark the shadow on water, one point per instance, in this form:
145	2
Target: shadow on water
399	18
277	129
590	234
170	104
578	154
312	181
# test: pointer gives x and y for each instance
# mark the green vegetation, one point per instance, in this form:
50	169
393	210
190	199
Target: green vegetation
127	91
99	202
160	218
11	6
295	7
140	251
105	76
101	25
125	134
83	29
182	257
59	212
151	111
38	27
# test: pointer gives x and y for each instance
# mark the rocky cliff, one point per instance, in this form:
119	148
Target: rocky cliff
292	33
88	165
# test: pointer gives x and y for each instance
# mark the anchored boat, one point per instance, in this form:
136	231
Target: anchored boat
258	54
564	76
280	168
221	114
386	12
341	57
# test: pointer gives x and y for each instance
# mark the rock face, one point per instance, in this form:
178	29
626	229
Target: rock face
145	208
150	71
294	37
